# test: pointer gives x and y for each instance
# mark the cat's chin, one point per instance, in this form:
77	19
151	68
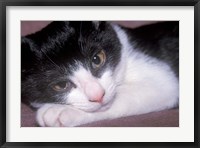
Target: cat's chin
92	108
103	108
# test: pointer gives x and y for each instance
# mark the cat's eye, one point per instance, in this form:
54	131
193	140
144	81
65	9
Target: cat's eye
60	86
98	59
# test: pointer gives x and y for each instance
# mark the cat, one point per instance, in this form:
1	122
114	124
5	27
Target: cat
78	72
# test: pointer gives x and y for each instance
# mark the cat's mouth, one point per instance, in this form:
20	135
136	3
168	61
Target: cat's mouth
104	107
94	107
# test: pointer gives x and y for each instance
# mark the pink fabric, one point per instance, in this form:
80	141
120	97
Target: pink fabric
28	27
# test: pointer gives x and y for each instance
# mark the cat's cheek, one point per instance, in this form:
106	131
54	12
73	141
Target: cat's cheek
75	96
79	100
108	83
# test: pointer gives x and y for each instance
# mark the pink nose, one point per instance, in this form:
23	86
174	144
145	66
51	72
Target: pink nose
98	98
94	91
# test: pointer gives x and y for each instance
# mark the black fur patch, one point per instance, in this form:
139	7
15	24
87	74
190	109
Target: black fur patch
160	41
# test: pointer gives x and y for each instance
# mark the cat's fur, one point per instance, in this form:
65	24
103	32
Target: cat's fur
139	75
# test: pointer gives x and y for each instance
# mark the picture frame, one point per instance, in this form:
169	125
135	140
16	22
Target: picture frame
3	76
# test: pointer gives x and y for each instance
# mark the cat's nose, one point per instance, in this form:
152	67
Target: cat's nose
95	92
97	98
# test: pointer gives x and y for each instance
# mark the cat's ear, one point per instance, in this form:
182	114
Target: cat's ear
99	25
29	54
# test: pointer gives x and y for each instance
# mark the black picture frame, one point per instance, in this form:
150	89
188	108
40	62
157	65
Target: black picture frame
5	3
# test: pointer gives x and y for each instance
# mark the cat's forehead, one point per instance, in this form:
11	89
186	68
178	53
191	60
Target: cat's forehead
69	45
78	46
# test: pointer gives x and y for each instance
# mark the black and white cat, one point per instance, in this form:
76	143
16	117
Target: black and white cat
79	72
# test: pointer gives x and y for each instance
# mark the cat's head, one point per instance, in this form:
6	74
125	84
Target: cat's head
71	63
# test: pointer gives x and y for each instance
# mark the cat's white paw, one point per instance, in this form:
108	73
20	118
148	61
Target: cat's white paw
55	115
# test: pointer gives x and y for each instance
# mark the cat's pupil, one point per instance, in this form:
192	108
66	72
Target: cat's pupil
96	60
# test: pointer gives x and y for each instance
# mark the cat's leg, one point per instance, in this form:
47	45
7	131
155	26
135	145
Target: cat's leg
57	115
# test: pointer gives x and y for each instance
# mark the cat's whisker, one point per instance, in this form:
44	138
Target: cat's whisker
112	87
51	60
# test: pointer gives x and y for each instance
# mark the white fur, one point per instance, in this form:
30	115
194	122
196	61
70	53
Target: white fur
143	84
79	98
